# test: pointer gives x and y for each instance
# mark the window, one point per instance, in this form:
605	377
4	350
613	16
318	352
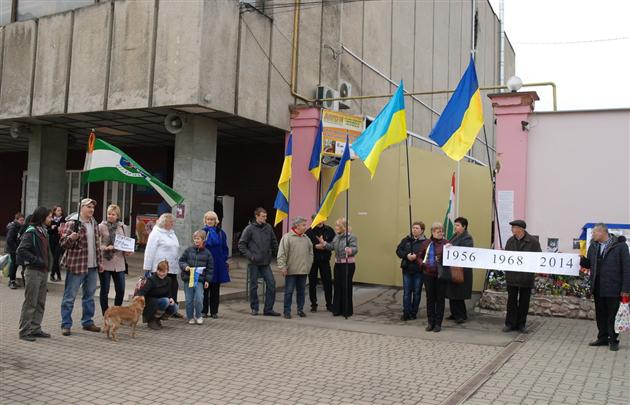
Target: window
28	9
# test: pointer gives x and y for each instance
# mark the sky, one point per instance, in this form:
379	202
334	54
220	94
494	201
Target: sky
588	75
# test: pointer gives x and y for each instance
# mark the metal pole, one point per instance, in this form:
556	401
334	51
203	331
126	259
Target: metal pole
347	275
408	183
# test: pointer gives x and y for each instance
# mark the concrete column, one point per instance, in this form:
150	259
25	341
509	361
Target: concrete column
194	174
303	199
511	110
46	181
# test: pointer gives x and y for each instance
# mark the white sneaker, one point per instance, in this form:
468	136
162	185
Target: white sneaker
191	321
199	321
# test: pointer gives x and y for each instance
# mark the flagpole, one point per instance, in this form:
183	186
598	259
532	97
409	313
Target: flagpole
349	287
408	183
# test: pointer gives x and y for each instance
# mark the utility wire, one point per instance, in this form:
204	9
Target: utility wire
265	53
586	41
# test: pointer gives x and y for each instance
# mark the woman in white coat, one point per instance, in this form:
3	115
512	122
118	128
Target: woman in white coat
163	245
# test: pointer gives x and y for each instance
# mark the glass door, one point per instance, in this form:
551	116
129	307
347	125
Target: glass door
120	194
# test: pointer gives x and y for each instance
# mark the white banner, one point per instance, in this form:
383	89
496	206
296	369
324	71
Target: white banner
124	243
565	264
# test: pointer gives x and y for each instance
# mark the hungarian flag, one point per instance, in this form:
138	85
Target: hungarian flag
105	162
449	218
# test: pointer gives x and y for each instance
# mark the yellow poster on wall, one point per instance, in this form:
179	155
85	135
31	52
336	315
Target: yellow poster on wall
336	127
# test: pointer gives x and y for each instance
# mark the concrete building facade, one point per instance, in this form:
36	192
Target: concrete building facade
227	67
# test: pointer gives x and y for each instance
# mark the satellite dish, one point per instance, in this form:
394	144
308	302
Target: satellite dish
174	123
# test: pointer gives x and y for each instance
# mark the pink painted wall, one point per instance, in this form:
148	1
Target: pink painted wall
510	109
303	198
578	172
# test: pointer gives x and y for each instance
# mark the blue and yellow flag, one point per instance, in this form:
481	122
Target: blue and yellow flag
462	118
315	165
196	272
282	199
340	183
389	128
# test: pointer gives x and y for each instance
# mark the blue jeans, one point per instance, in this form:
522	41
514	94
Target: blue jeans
88	283
194	300
164	306
264	271
412	286
294	282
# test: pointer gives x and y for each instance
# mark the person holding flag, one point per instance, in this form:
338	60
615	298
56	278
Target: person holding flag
197	266
430	258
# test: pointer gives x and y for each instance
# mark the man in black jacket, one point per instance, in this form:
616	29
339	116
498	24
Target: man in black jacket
519	284
34	252
13	240
321	263
609	261
258	243
408	250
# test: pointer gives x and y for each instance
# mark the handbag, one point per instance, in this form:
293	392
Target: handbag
622	319
444	272
457	275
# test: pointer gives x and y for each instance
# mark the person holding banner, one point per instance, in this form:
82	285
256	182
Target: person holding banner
113	260
458	293
519	284
197	266
609	261
408	250
430	258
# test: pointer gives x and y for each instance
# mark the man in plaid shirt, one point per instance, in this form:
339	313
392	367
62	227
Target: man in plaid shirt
82	258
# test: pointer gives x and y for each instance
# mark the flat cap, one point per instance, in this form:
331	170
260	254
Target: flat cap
519	223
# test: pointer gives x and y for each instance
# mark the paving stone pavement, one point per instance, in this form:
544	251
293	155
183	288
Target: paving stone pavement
241	359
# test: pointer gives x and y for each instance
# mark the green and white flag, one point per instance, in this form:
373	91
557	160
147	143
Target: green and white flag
449	218
106	162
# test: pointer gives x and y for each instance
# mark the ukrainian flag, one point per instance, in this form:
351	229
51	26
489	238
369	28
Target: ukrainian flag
462	118
389	128
282	199
340	183
315	165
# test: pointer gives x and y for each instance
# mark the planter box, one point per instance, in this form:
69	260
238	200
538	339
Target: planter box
544	305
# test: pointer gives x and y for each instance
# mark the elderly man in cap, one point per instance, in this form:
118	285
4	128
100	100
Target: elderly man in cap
519	284
609	262
82	258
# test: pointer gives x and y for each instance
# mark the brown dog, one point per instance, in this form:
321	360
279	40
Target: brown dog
115	316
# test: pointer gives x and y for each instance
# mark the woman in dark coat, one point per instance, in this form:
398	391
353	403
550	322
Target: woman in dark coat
430	259
55	247
457	293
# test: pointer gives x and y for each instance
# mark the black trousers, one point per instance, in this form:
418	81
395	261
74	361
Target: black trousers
342	297
435	291
324	271
57	250
174	286
211	297
605	312
458	309
517	306
13	267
